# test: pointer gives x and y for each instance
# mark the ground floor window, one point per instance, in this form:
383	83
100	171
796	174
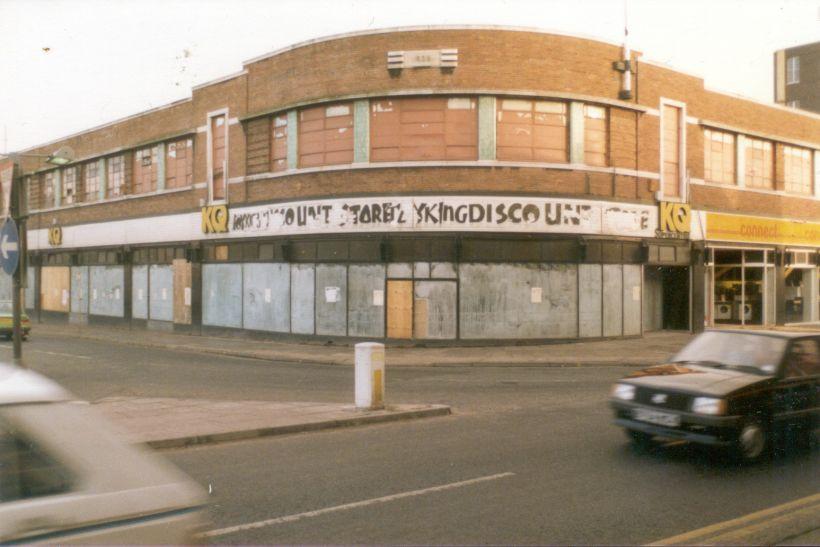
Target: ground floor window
740	286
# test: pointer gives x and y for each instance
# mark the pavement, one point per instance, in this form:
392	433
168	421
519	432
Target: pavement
643	351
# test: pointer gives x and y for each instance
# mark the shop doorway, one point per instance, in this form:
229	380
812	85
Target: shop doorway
742	286
666	298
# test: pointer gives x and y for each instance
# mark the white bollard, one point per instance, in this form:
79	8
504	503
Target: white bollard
370	375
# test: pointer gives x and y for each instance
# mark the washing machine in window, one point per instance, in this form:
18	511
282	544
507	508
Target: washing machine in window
723	310
744	310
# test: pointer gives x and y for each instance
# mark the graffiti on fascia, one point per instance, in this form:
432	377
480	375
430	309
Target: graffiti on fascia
446	213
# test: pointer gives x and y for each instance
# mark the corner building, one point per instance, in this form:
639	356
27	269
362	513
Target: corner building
458	185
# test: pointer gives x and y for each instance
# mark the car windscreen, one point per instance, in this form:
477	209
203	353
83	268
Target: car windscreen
749	352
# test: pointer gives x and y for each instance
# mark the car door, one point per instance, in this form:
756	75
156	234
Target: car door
796	398
66	477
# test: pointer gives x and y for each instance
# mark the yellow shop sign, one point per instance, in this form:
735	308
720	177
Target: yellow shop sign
745	229
215	219
675	217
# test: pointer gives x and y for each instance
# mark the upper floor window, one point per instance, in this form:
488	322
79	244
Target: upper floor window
47	189
423	129
793	70
145	170
531	130
116	176
595	133
279	142
69	192
326	135
179	163
759	164
91	181
719	157
797	167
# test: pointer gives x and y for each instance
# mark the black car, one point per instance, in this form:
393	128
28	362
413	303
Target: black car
734	389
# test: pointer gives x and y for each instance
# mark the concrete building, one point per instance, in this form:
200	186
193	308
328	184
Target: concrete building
797	77
445	185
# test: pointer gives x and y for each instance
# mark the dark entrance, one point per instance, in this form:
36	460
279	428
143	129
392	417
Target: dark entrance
675	287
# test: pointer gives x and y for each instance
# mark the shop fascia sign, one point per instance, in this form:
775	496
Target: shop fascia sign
433	214
674	219
746	229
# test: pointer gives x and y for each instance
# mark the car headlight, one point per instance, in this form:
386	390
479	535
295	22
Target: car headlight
709	405
623	391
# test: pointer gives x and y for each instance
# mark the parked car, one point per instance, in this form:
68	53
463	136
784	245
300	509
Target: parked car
734	389
66	476
6	324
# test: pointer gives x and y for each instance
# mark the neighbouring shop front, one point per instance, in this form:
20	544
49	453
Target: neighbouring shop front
761	271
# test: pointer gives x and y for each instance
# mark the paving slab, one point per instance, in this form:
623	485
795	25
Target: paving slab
174	423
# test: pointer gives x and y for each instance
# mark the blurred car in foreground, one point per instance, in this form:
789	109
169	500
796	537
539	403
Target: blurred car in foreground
6	322
735	389
66	476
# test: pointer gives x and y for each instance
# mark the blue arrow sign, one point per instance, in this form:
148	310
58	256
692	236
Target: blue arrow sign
9	247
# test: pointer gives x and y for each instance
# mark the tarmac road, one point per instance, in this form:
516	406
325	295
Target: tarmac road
528	456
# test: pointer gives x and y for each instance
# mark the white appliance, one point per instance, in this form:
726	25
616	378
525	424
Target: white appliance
744	310
723	310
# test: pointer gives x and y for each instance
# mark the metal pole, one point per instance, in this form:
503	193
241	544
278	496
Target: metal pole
17	333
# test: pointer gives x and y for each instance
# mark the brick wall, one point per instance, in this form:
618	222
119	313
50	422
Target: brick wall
491	60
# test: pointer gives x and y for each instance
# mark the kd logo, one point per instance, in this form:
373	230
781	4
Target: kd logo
675	217
215	219
55	236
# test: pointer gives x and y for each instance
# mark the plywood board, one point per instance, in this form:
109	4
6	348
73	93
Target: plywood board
399	309
182	284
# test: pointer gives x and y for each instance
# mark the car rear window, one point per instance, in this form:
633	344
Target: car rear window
26	470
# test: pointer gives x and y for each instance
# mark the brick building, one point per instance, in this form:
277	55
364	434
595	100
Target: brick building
462	184
797	77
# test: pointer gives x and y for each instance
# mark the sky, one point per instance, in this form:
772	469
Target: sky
69	65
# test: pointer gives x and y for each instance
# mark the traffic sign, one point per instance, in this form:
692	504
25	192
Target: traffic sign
9	247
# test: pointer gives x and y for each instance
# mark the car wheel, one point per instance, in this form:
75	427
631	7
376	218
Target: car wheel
752	441
639	439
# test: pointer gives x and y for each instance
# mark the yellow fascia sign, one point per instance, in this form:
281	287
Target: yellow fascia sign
215	219
744	229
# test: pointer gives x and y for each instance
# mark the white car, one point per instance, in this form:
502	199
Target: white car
67	476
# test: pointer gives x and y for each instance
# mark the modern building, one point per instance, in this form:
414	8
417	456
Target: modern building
447	184
797	77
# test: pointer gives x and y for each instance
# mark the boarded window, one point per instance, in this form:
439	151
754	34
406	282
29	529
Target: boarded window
797	168
179	163
531	131
671	144
69	191
326	135
91	181
595	135
47	195
279	142
759	164
145	170
116	176
424	129
718	157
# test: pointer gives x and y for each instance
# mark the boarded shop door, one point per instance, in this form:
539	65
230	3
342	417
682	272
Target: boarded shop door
399	309
219	129
671	151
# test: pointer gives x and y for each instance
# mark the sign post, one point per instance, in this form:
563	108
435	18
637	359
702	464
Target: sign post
10	248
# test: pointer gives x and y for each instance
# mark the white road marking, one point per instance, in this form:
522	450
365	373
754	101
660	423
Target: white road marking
62	354
354	505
